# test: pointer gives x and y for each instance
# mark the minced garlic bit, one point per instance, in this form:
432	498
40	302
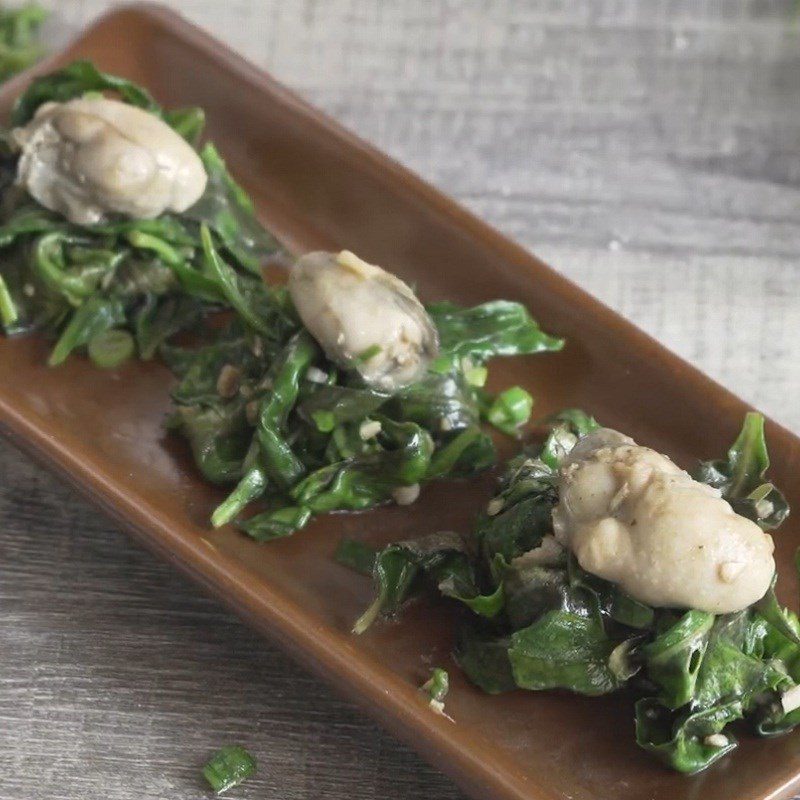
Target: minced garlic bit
316	375
436	706
251	411
495	506
406	495
716	740
790	699
369	429
228	381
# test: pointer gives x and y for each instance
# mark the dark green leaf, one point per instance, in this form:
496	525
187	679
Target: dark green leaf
276	523
440	556
229	283
675	656
96	315
681	740
280	462
158	320
228	211
468	452
342	403
742	476
359	556
75	80
497	328
9	315
188	122
563	650
369	479
219	438
484	659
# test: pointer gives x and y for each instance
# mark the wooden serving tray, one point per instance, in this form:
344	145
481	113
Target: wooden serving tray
317	185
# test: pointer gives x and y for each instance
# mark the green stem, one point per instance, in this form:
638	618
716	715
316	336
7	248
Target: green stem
249	488
227	281
8	310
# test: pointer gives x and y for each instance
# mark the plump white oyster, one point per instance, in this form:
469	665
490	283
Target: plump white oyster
364	317
90	157
633	517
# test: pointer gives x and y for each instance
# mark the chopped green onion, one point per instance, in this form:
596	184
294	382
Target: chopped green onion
436	688
8	310
96	315
228	767
324	420
476	376
442	365
111	348
510	409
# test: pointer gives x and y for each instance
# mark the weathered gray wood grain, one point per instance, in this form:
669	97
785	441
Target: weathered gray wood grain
649	149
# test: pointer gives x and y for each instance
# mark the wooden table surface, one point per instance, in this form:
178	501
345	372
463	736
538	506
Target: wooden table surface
649	149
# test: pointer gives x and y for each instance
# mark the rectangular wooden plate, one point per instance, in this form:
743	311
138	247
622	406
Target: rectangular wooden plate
317	185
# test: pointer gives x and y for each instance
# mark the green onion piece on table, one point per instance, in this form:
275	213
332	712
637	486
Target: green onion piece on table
111	348
228	767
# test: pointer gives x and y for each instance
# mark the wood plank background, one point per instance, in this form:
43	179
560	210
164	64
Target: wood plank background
649	149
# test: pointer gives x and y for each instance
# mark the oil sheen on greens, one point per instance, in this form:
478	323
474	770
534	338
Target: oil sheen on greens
149	278
261	407
553	626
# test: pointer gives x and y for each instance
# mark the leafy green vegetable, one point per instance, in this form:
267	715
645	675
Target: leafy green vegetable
675	656
483	655
688	741
541	622
159	276
497	328
228	283
276	523
250	487
94	317
157	321
18	32
228	767
563	650
227	210
249	399
740	477
75	80
438	557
